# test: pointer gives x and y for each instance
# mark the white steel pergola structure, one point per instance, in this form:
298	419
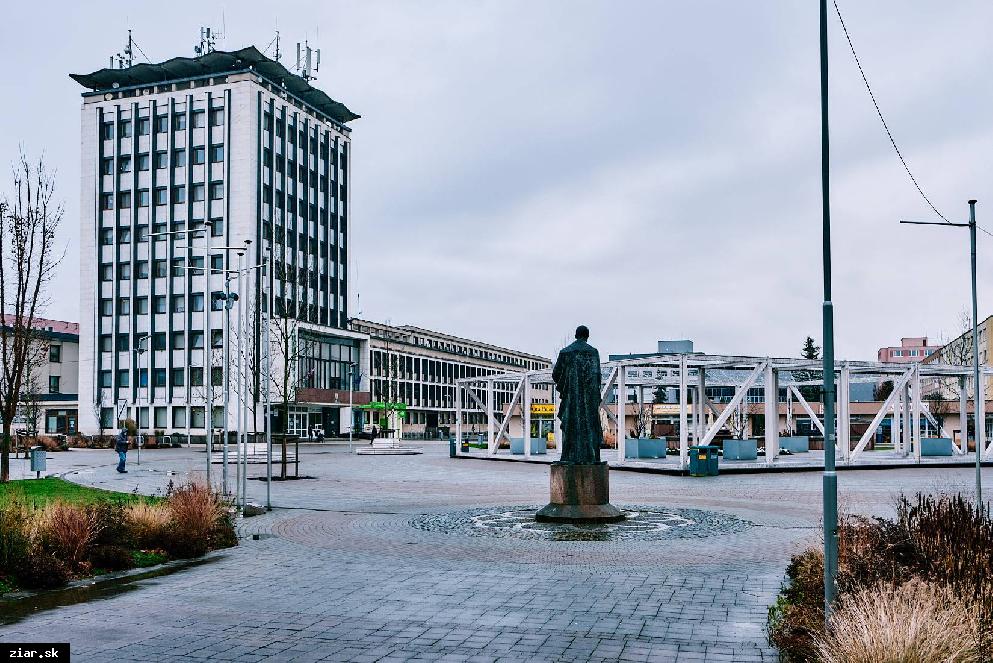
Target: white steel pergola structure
700	419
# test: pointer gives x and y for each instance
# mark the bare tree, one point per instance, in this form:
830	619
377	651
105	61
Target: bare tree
286	352
29	220
31	389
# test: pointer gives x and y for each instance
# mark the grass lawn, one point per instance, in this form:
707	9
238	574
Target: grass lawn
38	492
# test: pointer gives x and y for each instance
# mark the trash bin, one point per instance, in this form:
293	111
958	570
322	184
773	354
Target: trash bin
38	460
703	461
451	447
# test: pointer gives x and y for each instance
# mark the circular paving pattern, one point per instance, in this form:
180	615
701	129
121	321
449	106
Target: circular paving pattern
643	523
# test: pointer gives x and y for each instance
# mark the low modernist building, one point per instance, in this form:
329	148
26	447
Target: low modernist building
419	367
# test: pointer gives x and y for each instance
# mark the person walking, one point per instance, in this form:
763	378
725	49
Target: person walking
121	447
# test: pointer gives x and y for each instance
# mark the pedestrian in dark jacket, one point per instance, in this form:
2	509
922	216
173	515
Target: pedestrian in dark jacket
121	447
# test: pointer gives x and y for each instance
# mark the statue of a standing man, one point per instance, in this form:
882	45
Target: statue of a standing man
577	378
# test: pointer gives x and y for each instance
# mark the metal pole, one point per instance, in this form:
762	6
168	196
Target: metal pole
207	348
975	358
227	384
351	413
830	481
241	384
244	313
268	379
148	386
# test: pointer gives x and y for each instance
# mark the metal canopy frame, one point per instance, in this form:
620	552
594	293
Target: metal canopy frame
701	420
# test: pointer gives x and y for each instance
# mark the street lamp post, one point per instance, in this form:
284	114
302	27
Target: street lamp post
971	225
830	479
351	412
139	339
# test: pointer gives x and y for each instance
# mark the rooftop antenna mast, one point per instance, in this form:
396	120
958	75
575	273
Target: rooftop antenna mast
125	58
308	61
278	52
208	41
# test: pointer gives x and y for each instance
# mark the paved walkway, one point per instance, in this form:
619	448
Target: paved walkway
339	572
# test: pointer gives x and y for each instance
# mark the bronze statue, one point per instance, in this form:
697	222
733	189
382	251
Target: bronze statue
577	378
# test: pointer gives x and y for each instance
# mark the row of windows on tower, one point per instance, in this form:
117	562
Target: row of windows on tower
179	416
177	341
161	196
198	120
143	162
299	137
177	304
180	267
141	231
159	377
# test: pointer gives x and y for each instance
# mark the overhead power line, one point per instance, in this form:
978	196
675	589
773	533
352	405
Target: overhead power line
882	119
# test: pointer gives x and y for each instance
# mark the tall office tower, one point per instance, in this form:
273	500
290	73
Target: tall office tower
226	151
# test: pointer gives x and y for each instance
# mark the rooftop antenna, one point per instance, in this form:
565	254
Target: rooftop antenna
208	41
308	61
124	58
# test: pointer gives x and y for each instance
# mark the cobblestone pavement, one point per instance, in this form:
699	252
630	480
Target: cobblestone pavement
340	573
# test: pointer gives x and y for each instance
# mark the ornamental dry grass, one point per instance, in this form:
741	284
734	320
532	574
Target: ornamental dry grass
937	539
198	522
917	622
68	532
147	524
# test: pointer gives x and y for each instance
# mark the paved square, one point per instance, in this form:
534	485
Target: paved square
342	572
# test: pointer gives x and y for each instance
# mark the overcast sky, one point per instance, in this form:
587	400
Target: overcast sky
650	169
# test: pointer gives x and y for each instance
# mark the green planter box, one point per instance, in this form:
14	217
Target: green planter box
741	449
538	445
643	447
937	446
798	444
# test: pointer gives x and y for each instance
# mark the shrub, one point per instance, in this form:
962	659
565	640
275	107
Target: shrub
39	569
67	531
798	614
111	519
15	534
111	558
917	621
146	524
197	523
938	539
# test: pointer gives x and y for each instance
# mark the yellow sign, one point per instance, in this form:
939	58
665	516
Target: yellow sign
542	408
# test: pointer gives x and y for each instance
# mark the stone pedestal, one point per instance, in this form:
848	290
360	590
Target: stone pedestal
579	494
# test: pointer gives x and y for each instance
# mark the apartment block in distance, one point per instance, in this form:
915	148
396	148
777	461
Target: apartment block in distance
910	350
238	148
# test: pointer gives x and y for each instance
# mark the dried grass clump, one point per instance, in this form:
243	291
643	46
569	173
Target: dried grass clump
15	534
147	524
67	531
916	622
198	520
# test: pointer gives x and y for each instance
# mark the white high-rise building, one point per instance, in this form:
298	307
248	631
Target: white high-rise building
236	145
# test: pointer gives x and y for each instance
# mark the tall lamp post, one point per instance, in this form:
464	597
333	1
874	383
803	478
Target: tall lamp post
139	339
971	225
351	412
830	479
207	340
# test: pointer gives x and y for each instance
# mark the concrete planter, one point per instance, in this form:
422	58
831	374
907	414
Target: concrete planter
741	449
538	445
936	446
798	444
643	447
